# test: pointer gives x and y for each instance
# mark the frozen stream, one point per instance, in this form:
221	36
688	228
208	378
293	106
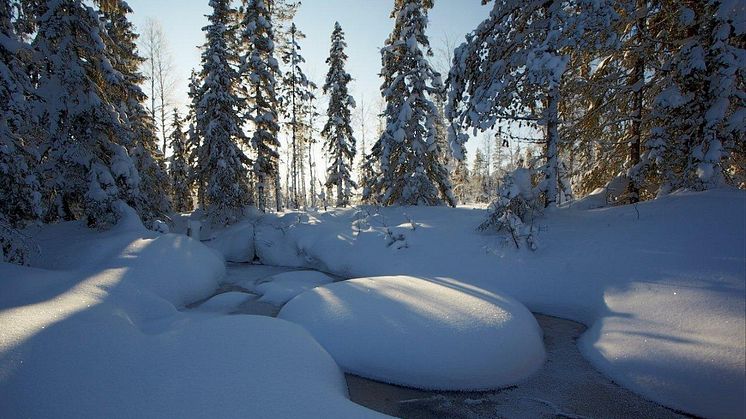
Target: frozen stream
567	386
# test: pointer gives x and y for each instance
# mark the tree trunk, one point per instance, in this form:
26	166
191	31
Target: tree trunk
261	198
637	82
278	193
552	140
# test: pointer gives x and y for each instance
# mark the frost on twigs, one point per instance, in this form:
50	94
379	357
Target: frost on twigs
517	205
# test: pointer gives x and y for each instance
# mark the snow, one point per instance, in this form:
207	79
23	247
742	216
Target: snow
281	288
93	330
235	243
422	333
225	302
682	254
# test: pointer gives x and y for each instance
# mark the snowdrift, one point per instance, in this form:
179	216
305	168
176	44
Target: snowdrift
422	333
281	288
661	284
94	331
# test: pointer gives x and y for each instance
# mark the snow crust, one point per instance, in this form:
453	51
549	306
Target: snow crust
422	333
281	288
661	284
96	333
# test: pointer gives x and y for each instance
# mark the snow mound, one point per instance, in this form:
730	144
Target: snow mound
281	288
225	302
424	333
595	266
235	243
104	339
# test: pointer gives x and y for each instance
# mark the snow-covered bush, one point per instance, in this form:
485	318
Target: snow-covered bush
517	205
14	246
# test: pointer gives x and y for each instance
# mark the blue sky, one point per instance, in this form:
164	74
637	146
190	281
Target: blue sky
365	22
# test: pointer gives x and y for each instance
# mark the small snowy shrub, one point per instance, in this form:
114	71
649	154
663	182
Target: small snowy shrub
518	203
161	227
14	246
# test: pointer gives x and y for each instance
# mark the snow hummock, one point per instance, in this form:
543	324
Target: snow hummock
660	284
422	333
281	288
93	331
225	302
235	242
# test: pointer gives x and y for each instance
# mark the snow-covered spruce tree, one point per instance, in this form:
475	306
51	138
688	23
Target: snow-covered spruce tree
222	165
151	202
698	118
181	190
193	138
19	185
85	171
411	167
510	69
515	208
258	71
296	92
340	143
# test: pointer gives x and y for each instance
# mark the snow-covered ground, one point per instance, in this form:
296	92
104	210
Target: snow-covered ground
94	328
94	332
660	284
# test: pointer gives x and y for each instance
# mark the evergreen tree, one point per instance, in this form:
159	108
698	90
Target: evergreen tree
338	129
19	185
179	167
193	138
86	171
698	117
297	91
511	67
259	69
412	172
479	177
151	203
221	169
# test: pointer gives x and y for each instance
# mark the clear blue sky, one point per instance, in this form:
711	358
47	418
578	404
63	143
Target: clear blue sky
365	22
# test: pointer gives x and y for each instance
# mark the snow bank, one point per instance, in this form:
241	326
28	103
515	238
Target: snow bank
281	288
103	337
235	243
422	333
225	302
594	266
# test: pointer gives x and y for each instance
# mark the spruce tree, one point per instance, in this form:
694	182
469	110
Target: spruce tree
412	172
222	164
296	93
151	203
698	117
193	138
340	143
510	69
86	171
181	191
258	71
19	185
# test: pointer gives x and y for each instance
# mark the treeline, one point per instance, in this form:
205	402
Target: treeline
635	97
251	86
638	97
78	142
641	97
